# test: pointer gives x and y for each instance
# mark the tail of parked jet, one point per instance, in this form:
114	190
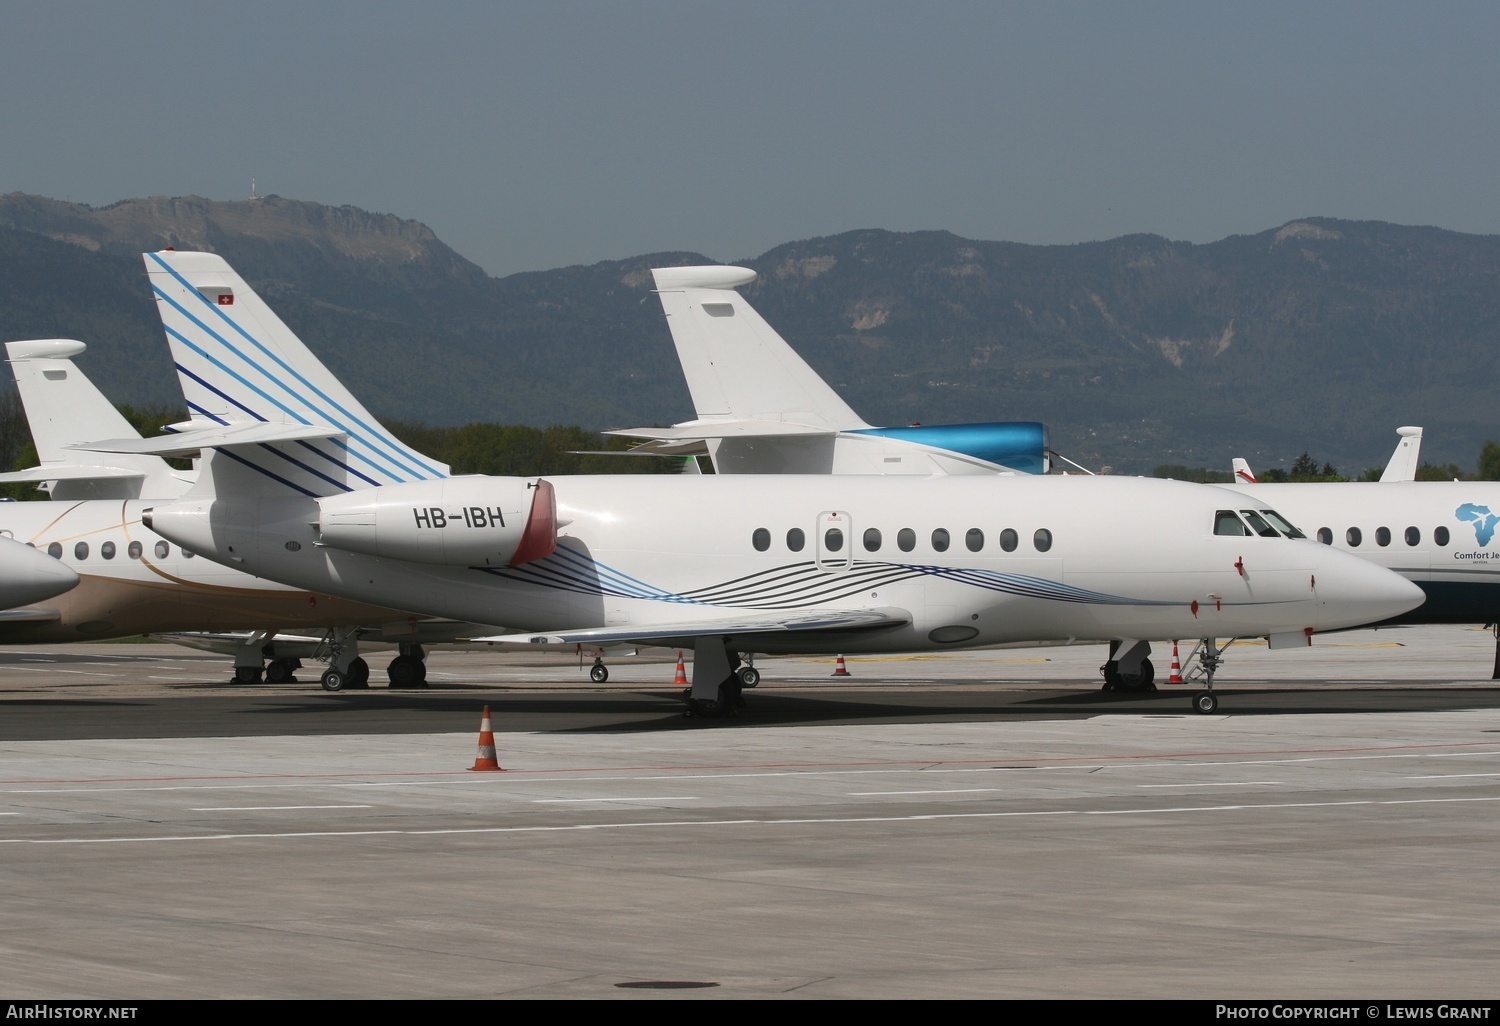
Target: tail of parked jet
64	409
737	366
1404	461
761	409
254	390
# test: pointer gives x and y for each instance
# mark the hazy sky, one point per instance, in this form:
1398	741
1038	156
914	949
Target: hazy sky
534	135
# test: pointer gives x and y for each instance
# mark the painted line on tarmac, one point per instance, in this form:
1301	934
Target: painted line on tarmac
275	808
698	824
445	778
957	790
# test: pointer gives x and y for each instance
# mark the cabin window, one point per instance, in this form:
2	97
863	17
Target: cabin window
1042	539
1009	540
761	539
906	539
1440	535
134	552
163	550
795	539
833	540
1325	536
189	553
1282	524
81	550
1353	537
940	540
1258	524
872	539
974	539
1413	536
107	550
1228	523
1382	536
55	550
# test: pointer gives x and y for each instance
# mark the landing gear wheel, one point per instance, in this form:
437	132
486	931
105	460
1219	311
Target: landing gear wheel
599	673
406	672
247	674
1142	680
333	680
359	673
279	671
707	708
1205	702
749	676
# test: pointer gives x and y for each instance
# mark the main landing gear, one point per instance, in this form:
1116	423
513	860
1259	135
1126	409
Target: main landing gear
1127	668
719	680
408	670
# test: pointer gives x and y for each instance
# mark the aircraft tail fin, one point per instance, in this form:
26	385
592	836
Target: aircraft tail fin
1403	464
65	409
737	366
1242	472
239	364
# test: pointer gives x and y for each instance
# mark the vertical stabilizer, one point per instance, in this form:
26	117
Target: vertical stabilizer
64	408
239	364
1403	464
737	366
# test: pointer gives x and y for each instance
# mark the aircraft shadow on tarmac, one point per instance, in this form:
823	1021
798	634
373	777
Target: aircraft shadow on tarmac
259	711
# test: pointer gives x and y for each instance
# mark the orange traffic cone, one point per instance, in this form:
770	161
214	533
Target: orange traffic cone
680	681
840	670
1176	677
486	759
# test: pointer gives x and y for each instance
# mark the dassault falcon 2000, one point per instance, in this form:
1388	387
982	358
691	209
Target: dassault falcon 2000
299	484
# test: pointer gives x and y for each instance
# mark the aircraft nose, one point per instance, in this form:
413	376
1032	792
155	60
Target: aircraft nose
1353	591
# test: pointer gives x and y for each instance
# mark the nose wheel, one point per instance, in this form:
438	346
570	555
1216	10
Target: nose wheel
1210	658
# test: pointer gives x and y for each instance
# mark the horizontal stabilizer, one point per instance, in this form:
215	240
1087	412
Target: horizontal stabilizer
699	430
808	622
189	443
69	472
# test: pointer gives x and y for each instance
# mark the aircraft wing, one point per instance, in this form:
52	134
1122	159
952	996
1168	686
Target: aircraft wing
804	622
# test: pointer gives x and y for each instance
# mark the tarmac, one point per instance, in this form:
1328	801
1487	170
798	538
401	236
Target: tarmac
983	824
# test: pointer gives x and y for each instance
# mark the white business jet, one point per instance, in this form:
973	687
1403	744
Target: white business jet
299	483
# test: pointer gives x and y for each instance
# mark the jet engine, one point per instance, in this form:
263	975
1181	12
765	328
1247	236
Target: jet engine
456	521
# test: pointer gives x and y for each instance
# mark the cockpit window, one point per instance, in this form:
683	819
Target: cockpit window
1227	523
1281	524
1259	525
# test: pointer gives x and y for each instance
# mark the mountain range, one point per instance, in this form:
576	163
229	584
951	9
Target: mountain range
1319	335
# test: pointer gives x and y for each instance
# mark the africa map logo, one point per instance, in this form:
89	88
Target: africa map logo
1483	520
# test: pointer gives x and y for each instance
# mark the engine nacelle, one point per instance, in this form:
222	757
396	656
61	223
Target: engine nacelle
457	521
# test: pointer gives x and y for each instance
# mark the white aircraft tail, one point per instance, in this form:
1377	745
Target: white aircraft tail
1242	472
737	367
65	409
255	391
1403	464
